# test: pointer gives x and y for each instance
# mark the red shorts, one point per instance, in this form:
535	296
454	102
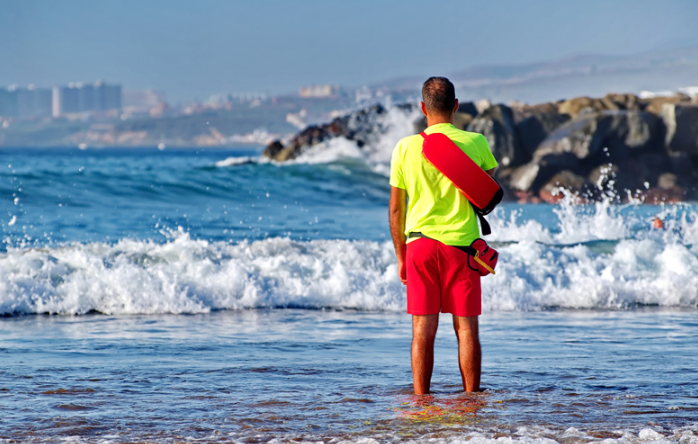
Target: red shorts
439	280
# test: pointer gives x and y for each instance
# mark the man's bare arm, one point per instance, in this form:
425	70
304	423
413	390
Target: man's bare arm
491	172
398	203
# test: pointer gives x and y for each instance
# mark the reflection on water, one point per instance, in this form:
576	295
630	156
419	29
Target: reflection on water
304	375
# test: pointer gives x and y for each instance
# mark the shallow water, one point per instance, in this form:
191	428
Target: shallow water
313	375
195	295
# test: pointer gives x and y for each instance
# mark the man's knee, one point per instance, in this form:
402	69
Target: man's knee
466	327
424	327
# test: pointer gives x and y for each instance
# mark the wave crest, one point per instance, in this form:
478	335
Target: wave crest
185	275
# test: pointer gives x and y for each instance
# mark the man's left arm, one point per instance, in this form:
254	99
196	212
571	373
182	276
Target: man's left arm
397	209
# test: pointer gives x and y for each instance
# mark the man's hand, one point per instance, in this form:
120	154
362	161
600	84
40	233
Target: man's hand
398	204
402	270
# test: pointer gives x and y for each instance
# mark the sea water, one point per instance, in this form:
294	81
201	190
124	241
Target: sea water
205	295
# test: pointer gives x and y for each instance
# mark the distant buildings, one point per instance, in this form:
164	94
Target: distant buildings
85	97
318	91
32	102
25	103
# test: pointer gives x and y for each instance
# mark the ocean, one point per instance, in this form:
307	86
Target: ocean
203	295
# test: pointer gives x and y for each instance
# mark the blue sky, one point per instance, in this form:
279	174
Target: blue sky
197	48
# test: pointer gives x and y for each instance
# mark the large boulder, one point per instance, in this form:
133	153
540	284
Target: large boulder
496	123
360	126
611	102
535	123
273	149
532	176
625	102
682	128
467	108
638	173
655	104
605	137
581	105
462	120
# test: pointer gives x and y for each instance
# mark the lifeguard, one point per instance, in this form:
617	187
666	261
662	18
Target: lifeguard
432	225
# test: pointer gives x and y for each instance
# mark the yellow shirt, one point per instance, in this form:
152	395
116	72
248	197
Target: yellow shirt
435	207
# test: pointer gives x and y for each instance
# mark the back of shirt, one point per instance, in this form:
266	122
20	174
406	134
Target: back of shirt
435	207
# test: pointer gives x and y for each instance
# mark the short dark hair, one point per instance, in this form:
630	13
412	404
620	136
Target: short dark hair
439	96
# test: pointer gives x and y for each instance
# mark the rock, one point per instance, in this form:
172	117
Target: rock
462	120
359	126
567	180
658	196
273	149
309	137
532	176
465	114
655	104
681	128
634	175
612	102
641	172
468	108
605	137
627	102
683	167
667	181
285	154
602	175
535	123
420	124
581	105
496	123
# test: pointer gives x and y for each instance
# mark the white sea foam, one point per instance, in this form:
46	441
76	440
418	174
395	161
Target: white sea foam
395	124
233	161
185	275
574	224
194	276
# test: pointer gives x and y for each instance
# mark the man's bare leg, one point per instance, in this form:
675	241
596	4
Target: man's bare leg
423	335
469	353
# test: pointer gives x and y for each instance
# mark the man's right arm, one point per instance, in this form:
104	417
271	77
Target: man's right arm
398	204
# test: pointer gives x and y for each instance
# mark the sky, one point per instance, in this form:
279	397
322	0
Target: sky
193	49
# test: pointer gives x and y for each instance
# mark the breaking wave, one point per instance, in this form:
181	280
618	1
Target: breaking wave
593	258
393	125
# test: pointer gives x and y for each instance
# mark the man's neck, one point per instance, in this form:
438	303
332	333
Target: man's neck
435	120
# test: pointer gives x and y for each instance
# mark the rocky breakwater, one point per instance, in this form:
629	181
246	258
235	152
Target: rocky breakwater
618	146
361	127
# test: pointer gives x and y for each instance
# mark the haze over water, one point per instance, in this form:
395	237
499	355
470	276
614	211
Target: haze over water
203	295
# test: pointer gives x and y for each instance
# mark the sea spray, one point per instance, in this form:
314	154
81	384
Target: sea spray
306	236
394	124
185	275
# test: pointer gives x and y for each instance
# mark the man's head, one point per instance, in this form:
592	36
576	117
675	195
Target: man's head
439	97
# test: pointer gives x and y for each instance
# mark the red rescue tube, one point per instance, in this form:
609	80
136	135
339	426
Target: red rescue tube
476	185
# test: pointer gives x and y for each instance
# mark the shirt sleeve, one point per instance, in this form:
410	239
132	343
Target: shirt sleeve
396	174
488	160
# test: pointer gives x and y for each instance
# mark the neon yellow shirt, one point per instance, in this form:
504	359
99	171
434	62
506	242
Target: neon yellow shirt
435	207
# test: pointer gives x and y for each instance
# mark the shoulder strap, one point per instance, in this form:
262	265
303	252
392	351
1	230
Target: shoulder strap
486	230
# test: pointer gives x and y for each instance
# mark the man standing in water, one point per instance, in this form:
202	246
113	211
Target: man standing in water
427	230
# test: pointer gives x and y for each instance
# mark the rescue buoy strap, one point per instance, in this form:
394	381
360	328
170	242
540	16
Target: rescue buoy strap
470	250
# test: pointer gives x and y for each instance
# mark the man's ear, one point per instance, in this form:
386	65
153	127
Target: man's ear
455	109
424	108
